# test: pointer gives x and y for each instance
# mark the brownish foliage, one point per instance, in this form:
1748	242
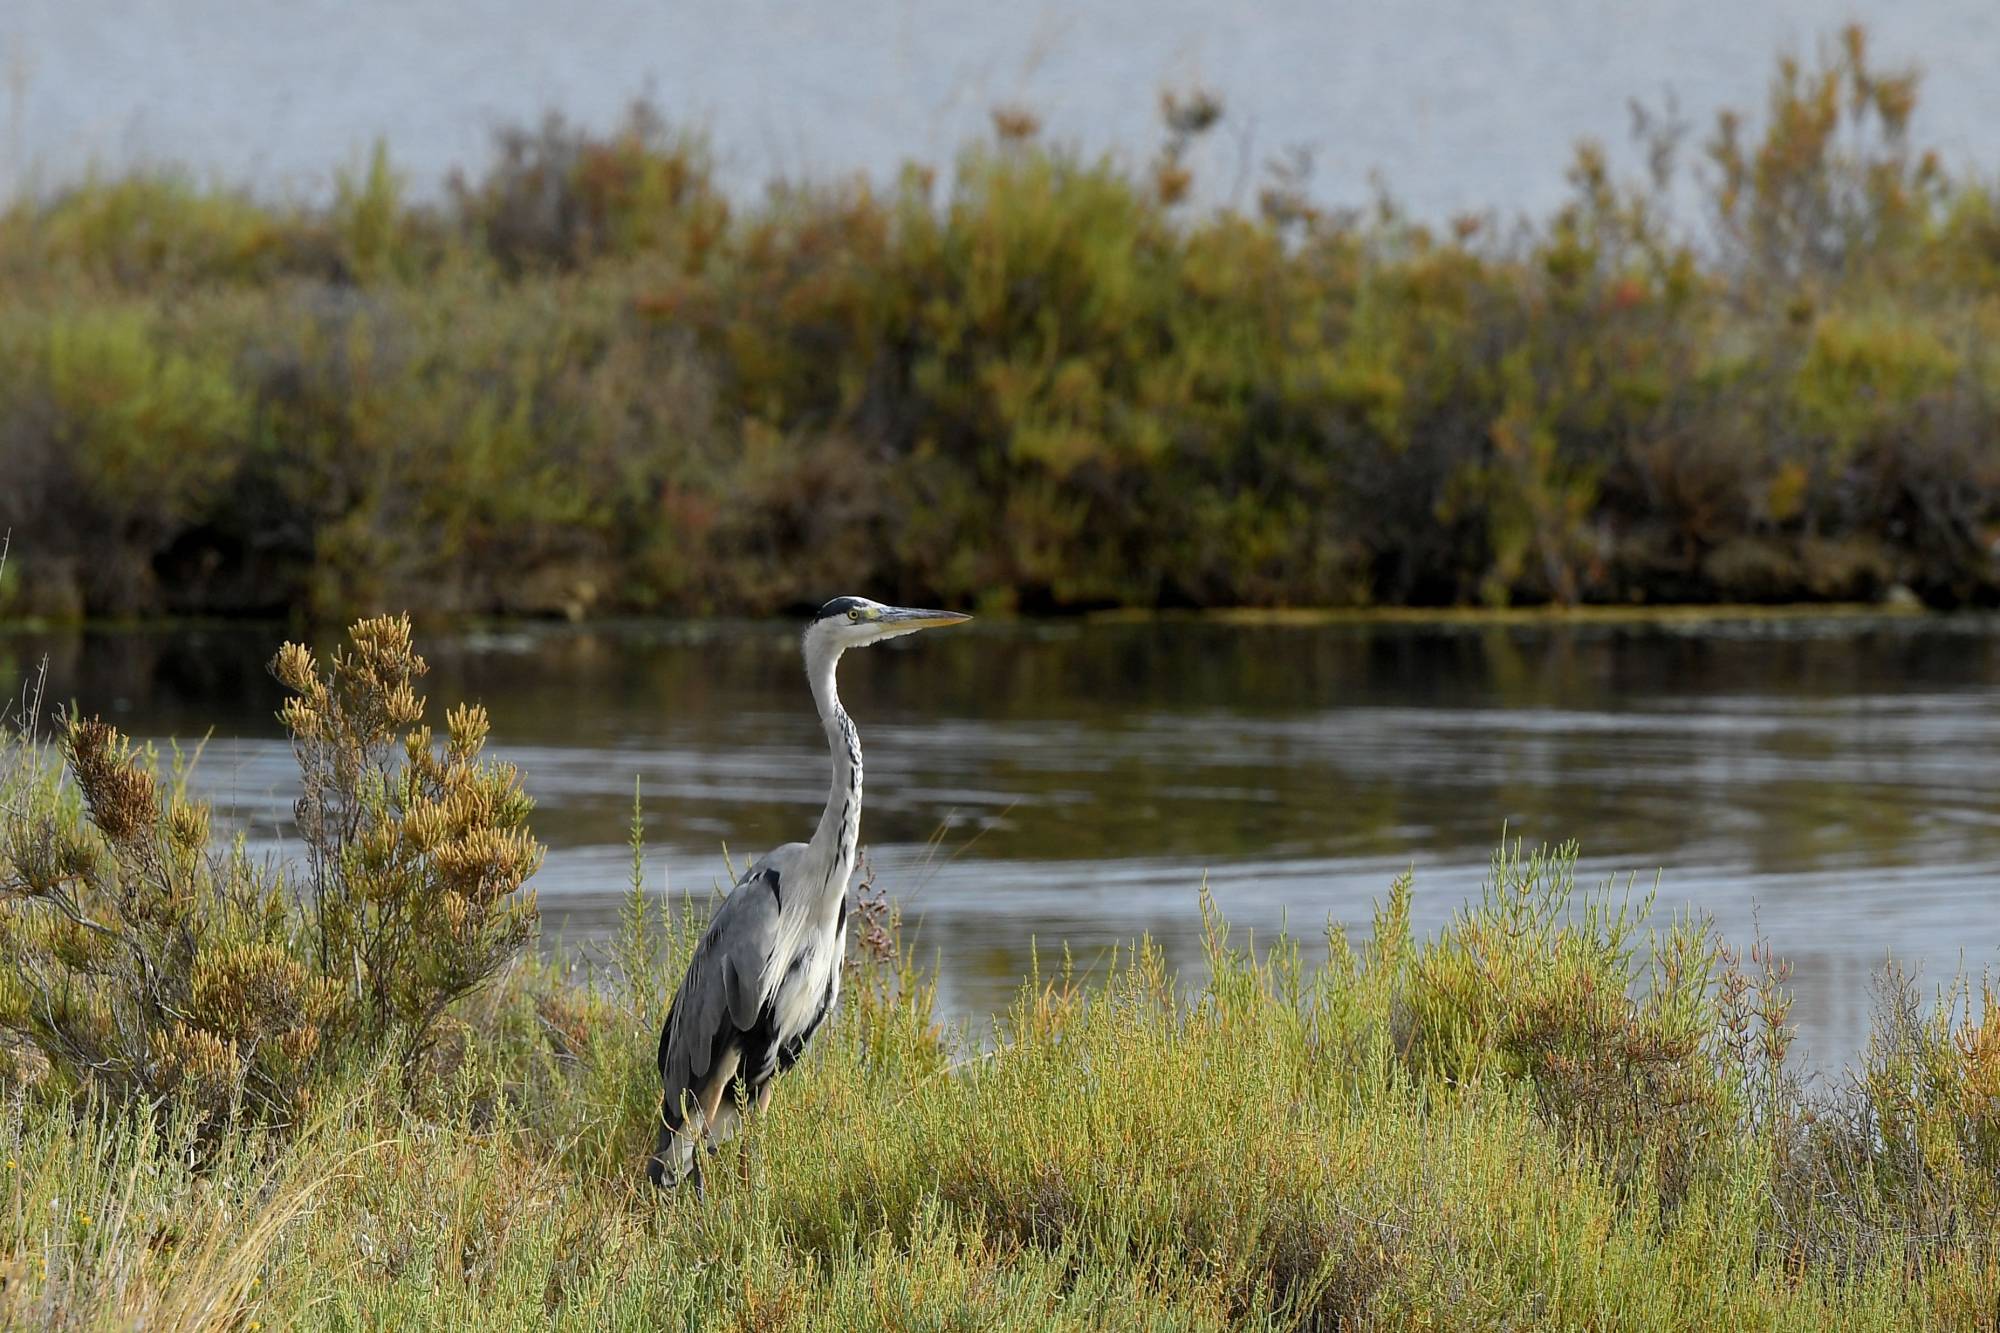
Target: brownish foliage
416	855
141	960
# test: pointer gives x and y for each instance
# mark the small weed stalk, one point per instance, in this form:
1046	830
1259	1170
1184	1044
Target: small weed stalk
635	949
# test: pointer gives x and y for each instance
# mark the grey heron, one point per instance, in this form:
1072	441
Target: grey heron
767	969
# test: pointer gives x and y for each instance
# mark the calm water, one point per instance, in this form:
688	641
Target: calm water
1460	104
1074	782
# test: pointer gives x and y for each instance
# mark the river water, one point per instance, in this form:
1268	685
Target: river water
1458	104
1042	784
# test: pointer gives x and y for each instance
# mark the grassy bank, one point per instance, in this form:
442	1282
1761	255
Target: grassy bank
586	382
1368	1144
335	1093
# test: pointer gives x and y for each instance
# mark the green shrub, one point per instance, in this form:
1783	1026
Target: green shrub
1833	185
1540	983
559	198
1921	1130
149	230
121	441
416	855
141	962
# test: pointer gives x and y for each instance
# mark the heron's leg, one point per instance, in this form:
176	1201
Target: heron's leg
711	1103
667	1144
718	1087
757	1103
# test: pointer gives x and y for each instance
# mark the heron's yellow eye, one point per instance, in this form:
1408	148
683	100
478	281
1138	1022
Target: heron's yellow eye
855	614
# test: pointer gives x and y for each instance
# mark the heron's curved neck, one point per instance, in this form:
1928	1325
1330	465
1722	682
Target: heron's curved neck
839	828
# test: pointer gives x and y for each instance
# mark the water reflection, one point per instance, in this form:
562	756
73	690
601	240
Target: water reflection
1074	782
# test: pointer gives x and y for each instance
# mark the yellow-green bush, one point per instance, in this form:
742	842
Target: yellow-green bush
141	962
416	855
148	231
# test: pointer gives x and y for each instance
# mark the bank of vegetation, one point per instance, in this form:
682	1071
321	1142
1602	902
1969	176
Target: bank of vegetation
334	1093
587	382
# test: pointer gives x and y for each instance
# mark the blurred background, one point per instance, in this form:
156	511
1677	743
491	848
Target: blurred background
1459	106
1454	349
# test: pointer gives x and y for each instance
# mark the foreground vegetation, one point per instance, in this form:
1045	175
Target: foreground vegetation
1554	1114
587	382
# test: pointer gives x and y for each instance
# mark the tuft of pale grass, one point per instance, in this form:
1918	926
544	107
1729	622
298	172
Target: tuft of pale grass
111	1223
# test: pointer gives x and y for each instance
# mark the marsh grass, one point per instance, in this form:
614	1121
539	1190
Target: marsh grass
1517	1123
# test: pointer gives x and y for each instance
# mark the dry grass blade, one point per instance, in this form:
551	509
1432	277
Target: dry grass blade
212	1288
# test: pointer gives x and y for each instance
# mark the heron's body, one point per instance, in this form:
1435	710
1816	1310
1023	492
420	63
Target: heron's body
767	970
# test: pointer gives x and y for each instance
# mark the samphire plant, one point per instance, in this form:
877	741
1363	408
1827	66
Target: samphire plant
140	961
416	855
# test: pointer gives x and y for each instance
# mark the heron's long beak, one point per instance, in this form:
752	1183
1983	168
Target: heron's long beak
905	618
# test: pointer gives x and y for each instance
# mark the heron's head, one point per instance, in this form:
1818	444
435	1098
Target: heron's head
852	622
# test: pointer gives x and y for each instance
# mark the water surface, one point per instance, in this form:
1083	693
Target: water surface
1830	781
1458	104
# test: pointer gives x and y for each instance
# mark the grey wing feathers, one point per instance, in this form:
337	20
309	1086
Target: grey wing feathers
778	859
725	975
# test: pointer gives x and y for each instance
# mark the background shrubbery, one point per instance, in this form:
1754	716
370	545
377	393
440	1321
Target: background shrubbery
585	382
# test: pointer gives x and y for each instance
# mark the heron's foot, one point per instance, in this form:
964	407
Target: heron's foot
657	1172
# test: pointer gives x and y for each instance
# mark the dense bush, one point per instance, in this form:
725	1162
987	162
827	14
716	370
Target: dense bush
139	962
583	382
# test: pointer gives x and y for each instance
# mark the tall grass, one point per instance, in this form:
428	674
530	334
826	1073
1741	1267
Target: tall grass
587	382
1518	1123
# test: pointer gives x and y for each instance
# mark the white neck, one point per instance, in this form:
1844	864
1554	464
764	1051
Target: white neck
833	842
